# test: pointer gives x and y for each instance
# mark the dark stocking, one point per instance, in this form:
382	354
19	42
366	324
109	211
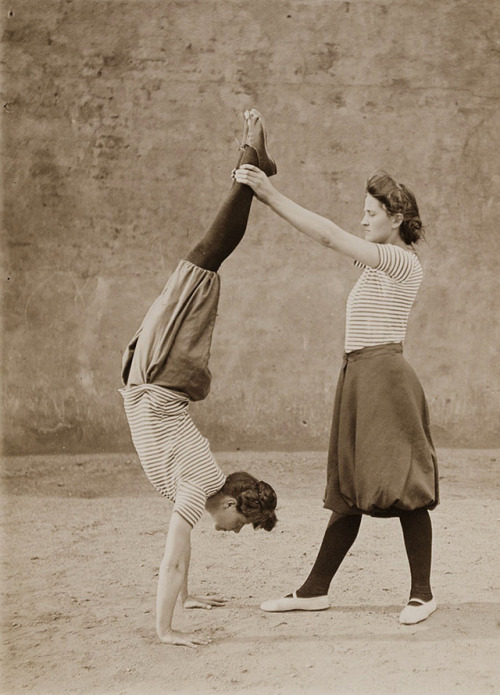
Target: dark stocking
337	541
229	225
417	532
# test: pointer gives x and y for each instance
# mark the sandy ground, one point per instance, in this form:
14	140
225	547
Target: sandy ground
83	537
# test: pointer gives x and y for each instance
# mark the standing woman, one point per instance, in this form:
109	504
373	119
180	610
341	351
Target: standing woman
381	459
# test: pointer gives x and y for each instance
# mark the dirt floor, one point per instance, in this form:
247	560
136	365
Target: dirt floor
83	537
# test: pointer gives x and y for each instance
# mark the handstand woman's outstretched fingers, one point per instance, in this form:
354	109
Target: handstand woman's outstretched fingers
206	602
184	639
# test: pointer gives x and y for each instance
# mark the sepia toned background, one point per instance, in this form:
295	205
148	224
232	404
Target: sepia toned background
119	127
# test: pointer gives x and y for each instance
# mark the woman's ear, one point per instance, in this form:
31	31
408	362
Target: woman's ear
397	220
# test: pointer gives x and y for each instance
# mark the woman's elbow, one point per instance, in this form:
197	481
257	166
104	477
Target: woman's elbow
327	241
172	568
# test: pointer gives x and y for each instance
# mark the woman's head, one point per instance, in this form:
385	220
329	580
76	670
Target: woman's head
254	499
399	203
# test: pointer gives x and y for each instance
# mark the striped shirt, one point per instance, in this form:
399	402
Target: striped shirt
175	456
380	302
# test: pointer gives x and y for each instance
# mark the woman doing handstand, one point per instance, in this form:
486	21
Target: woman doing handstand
164	367
381	459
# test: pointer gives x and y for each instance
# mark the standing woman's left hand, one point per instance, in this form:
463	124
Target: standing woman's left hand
255	178
203	602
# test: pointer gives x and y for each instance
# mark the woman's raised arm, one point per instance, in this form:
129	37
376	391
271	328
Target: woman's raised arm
319	228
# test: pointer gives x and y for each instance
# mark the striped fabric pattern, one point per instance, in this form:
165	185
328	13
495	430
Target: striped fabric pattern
175	456
379	304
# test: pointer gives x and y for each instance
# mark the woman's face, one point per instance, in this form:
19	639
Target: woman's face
378	225
228	518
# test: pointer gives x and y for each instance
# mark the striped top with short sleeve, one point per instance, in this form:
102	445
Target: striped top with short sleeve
175	456
380	302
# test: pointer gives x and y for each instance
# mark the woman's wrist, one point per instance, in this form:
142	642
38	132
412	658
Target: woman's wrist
272	200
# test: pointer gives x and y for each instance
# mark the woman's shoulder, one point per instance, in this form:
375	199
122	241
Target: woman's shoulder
397	248
393	257
408	253
400	263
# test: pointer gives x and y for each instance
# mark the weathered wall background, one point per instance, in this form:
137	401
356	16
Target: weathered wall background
119	125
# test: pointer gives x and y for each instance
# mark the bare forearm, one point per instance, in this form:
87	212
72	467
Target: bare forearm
319	228
184	587
170	582
173	575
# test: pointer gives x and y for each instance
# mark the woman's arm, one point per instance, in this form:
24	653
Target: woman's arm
313	225
189	601
173	576
184	591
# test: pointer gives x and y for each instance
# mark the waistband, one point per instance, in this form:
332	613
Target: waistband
373	351
196	268
136	390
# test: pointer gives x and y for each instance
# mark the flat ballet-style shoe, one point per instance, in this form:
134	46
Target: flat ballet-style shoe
257	139
295	603
244	138
415	614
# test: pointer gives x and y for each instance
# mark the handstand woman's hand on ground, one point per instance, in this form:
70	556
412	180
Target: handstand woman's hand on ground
184	639
206	602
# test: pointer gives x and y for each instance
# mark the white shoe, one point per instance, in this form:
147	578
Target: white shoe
295	603
415	614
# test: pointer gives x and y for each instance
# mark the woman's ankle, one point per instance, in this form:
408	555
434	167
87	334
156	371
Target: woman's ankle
424	595
310	592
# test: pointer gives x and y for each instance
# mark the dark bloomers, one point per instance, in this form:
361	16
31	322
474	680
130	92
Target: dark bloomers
397	198
255	499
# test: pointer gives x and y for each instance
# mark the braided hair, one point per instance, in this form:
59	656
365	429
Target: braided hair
397	198
255	499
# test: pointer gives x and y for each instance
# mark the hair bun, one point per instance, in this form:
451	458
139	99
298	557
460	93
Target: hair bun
267	496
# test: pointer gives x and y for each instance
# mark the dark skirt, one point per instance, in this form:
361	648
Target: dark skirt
381	458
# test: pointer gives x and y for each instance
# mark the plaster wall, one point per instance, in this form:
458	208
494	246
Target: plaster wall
119	127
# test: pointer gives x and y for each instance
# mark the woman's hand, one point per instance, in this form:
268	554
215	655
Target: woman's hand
184	639
203	602
255	178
